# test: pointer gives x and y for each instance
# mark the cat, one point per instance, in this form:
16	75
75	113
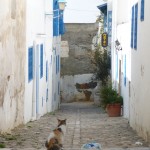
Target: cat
55	138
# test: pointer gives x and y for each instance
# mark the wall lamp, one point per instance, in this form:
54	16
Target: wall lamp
61	5
118	45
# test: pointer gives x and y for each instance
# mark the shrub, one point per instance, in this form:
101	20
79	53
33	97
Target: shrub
109	96
103	65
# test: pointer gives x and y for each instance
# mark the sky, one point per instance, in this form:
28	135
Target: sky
81	11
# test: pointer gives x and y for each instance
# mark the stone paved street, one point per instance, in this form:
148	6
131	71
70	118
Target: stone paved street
85	123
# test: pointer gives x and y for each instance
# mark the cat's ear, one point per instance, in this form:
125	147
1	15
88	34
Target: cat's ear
65	120
58	120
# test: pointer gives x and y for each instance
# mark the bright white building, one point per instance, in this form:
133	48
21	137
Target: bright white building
30	60
39	66
140	72
130	60
120	50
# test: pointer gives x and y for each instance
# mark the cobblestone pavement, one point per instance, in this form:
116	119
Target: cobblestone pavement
85	123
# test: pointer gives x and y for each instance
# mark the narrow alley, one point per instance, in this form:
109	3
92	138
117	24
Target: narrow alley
86	123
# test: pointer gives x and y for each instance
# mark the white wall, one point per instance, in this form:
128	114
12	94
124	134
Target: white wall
123	35
24	24
113	39
68	89
136	107
56	76
123	11
140	89
49	51
12	63
39	31
121	31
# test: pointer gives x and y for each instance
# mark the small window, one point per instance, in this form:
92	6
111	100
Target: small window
134	26
41	60
30	64
142	10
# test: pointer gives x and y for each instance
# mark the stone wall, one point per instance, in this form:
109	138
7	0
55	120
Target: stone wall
79	37
78	67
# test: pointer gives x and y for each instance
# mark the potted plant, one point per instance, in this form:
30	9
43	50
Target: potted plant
111	101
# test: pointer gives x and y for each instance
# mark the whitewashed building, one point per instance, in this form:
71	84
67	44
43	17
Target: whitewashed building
140	72
12	63
30	61
130	60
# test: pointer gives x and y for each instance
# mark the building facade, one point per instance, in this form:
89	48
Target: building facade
30	61
130	59
13	63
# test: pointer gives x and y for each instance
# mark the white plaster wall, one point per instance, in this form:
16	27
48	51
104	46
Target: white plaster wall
49	49
140	81
123	35
123	11
38	33
56	77
113	39
121	30
138	111
12	63
68	89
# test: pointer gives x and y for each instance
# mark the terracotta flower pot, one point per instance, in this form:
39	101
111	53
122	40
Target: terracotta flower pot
114	110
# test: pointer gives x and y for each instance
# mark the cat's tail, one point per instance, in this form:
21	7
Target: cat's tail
53	144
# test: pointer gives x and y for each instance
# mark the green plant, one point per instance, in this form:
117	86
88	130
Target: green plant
109	96
2	145
102	58
103	65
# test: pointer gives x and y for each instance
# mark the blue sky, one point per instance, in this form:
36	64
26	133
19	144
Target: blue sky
81	11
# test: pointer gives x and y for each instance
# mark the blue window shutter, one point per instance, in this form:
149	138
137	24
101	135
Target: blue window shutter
136	26
30	64
142	10
61	24
55	18
132	27
41	60
125	70
46	71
